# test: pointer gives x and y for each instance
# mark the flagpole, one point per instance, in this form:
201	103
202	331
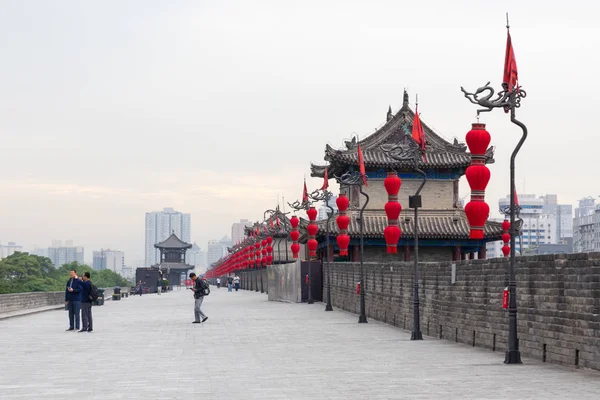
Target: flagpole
509	98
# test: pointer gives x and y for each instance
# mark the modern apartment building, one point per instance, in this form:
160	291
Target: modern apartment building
113	260
7	250
237	230
586	226
217	249
61	254
159	226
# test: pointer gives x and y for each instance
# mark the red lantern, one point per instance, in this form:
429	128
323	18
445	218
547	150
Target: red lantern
312	213
343	241
294	235
343	221
295	249
269	240
294	221
312	247
312	229
477	213
478	176
392	210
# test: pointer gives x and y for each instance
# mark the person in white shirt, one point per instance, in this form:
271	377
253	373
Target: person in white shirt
218	283
236	282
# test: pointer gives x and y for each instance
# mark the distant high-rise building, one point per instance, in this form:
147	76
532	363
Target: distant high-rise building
216	250
545	222
160	225
195	256
7	250
237	230
586	226
109	259
60	255
323	210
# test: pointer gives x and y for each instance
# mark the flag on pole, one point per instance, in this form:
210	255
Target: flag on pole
304	193
361	166
516	198
511	75
325	180
418	134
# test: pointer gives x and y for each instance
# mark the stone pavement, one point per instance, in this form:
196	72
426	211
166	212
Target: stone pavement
146	348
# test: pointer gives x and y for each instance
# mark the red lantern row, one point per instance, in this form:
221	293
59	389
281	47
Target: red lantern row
295	235
392	210
312	230
506	237
343	221
478	176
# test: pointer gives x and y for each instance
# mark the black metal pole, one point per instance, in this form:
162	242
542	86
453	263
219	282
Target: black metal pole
310	299
415	201
262	290
328	306
362	318
513	355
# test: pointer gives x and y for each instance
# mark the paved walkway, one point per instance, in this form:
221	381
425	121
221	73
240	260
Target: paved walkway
147	348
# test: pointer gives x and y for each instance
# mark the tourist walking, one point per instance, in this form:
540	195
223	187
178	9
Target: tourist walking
140	288
229	283
218	283
200	287
73	300
86	304
236	282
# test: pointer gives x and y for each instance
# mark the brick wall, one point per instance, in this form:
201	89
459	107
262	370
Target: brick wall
436	194
558	299
22	301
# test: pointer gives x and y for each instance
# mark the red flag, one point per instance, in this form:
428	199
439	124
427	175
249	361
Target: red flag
325	180
418	134
516	198
361	166
304	193
511	76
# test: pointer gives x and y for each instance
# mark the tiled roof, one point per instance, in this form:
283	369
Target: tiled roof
433	224
173	242
439	152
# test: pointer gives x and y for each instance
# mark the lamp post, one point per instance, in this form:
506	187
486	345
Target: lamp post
355	178
509	99
305	205
325	196
408	150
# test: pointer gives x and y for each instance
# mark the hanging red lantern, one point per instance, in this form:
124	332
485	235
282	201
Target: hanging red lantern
312	230
478	176
269	240
343	221
506	238
295	235
392	232
295	249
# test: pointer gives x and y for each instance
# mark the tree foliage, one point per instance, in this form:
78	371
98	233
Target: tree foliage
22	272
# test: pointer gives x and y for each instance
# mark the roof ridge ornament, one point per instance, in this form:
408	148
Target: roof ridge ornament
389	114
405	100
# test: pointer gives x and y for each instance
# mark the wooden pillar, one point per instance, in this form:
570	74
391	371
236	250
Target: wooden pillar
406	252
456	253
331	250
463	256
472	255
356	253
482	255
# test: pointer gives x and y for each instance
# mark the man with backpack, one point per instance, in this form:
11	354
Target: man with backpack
200	290
89	294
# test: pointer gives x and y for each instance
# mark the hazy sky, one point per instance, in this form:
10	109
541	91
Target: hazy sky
110	109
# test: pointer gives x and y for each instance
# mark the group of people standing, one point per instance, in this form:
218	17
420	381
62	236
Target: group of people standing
232	281
77	299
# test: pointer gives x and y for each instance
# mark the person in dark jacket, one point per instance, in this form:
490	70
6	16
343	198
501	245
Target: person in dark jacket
73	300
86	304
198	290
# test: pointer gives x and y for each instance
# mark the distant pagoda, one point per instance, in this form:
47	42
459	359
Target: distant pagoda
443	226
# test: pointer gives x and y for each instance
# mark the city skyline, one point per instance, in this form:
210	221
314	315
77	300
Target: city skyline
142	84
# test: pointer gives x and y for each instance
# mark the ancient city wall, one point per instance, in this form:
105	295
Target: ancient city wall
558	300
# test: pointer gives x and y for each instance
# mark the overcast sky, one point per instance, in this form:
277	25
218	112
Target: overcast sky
110	109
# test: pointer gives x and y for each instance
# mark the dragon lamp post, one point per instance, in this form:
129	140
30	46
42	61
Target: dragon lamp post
509	100
325	196
305	205
408	150
355	178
